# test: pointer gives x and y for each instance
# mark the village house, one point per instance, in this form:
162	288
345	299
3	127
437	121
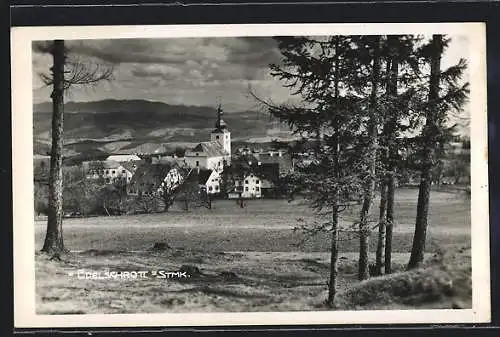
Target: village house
109	171
152	179
252	179
148	178
209	181
120	158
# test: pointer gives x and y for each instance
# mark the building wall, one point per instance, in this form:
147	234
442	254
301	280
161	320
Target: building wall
213	183
191	161
210	163
224	139
111	174
250	187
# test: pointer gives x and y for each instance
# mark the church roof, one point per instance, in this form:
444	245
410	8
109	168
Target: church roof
209	149
220	130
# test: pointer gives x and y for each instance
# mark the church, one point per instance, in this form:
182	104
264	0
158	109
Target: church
213	154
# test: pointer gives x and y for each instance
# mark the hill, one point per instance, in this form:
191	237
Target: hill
113	126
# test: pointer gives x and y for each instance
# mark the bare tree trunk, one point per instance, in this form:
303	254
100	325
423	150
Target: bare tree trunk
430	130
379	256
389	223
332	284
392	89
364	230
54	237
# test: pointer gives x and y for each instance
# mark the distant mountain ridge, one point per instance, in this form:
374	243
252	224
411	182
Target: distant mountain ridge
110	125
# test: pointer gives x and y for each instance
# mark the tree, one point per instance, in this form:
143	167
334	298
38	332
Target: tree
61	79
436	113
402	81
169	188
188	193
371	155
321	73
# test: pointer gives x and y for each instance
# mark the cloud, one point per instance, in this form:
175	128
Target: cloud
193	71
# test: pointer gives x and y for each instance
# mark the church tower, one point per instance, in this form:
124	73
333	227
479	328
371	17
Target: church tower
221	134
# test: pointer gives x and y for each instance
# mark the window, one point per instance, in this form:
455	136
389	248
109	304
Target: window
246	189
197	163
114	172
246	182
197	154
257	181
123	171
216	137
216	187
257	188
227	137
107	171
210	188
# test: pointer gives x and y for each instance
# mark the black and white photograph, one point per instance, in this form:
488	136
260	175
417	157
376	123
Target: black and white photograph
250	174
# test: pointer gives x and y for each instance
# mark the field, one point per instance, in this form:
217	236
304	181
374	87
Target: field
247	259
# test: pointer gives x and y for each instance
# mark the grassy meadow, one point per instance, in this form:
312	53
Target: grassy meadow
250	259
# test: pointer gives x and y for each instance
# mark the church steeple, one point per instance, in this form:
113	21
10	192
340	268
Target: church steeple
220	124
221	133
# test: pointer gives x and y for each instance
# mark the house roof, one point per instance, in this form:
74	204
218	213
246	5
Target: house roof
209	149
130	166
149	148
123	157
152	173
268	171
284	161
203	176
110	164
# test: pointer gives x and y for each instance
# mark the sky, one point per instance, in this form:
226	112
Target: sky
187	71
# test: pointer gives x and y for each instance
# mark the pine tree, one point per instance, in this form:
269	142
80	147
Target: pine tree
446	93
322	73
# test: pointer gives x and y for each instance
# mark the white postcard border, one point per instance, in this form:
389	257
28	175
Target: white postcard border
22	159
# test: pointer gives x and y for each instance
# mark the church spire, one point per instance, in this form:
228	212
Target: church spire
220	124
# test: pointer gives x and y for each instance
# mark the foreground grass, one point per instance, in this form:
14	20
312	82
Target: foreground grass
249	260
264	225
241	281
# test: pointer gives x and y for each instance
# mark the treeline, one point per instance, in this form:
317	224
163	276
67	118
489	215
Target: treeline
376	106
92	197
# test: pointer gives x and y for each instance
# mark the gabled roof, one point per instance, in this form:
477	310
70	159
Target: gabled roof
220	130
203	176
151	173
210	149
123	157
130	166
284	161
110	164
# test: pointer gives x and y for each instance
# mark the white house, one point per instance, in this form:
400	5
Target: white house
123	158
250	186
110	171
209	180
